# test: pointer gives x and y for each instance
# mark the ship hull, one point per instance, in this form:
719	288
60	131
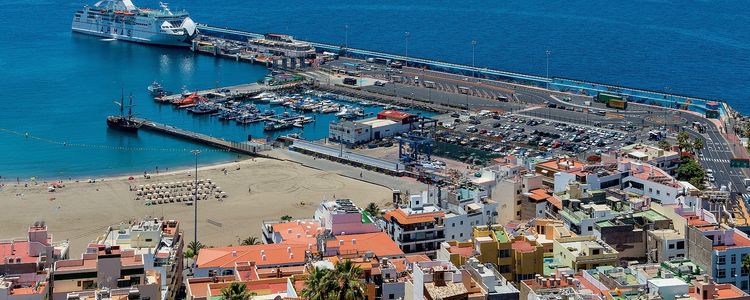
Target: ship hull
144	37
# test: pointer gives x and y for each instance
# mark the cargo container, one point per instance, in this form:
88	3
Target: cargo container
618	104
604	97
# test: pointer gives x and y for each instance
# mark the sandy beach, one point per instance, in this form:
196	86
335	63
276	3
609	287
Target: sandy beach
259	189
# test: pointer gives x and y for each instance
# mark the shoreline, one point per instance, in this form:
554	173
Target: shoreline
8	182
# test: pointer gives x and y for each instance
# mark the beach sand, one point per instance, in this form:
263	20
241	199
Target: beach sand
261	189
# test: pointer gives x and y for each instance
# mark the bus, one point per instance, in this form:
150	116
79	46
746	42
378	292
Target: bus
464	90
429	84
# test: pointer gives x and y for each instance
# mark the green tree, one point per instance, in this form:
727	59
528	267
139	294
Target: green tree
683	141
346	276
251	240
189	253
236	291
318	285
195	247
286	218
745	263
692	172
663	144
373	209
697	144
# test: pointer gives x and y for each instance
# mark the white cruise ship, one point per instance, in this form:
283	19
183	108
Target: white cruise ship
120	19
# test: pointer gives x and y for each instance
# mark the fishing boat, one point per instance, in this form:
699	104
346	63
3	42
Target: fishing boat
276	101
155	88
273	126
248	118
124	122
202	108
227	115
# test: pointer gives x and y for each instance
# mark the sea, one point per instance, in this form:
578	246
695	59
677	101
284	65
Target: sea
56	87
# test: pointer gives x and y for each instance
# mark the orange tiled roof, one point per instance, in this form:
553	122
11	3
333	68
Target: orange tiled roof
276	254
378	242
402	218
539	195
522	246
739	241
299	232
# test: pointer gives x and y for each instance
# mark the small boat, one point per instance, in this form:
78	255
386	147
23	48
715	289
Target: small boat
276	101
298	124
155	88
273	126
267	113
190	99
202	108
248	118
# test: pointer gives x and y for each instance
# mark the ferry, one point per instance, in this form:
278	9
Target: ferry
122	20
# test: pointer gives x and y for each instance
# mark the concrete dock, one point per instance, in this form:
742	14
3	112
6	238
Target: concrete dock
247	148
233	91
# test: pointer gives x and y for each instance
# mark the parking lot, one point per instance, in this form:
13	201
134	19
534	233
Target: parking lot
512	134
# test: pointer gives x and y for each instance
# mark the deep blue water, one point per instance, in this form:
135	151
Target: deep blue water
60	86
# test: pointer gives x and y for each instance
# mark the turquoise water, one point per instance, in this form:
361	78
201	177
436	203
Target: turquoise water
60	86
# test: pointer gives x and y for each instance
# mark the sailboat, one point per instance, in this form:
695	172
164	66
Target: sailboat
124	122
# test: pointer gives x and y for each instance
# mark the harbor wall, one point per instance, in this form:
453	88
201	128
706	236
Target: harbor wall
554	83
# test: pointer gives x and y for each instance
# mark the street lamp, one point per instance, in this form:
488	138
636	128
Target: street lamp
346	36
406	36
548	53
473	66
195	196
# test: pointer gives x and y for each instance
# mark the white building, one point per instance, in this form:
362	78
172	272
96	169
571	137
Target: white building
649	181
466	209
438	280
417	228
388	123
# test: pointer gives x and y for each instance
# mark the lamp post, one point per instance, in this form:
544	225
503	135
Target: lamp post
195	196
473	65
346	36
406	37
547	53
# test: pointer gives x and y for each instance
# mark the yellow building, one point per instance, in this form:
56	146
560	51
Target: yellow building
516	258
584	252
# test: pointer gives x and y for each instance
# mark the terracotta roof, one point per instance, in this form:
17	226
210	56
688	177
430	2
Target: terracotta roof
539	195
462	251
739	241
299	232
378	242
402	218
275	254
21	251
522	246
401	263
555	201
199	286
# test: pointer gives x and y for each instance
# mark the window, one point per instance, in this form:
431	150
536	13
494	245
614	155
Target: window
503	253
453	236
504	269
744	285
721	273
462	222
391	296
681	245
671	246
732	272
733	259
453	224
591	228
461	234
721	260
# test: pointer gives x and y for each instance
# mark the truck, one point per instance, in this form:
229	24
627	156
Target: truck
618	104
604	97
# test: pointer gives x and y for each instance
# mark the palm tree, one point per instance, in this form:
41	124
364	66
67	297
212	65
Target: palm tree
698	144
318	285
236	291
195	247
745	264
346	277
683	141
251	240
664	145
373	209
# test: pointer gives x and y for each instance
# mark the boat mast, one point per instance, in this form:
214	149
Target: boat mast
122	102
130	107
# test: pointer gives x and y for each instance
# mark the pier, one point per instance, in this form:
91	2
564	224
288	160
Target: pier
247	148
233	91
